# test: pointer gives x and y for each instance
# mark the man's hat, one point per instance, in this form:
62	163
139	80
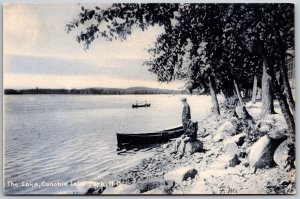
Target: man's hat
183	99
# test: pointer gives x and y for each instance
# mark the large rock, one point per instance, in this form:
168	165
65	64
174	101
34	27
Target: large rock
261	152
193	146
278	135
226	160
284	155
239	139
152	184
227	128
181	174
231	147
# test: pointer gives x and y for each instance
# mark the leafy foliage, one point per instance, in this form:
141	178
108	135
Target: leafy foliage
221	42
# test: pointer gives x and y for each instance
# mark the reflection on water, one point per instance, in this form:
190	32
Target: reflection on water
72	137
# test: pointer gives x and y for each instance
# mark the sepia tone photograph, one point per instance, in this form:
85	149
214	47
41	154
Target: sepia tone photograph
149	98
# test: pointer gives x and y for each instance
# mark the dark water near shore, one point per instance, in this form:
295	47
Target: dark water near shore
72	137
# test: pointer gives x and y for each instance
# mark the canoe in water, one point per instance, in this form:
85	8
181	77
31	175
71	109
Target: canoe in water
138	106
149	138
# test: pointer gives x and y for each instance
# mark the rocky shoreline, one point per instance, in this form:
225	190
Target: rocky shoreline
238	157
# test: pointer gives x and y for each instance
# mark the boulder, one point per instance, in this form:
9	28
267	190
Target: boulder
261	152
193	146
239	139
152	184
278	135
284	155
225	129
181	174
226	160
231	147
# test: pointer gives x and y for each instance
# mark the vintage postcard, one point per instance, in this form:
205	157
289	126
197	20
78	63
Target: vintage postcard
157	99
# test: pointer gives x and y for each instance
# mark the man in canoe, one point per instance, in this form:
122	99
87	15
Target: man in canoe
186	114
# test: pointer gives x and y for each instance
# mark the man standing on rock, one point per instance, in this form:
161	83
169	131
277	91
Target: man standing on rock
187	124
186	114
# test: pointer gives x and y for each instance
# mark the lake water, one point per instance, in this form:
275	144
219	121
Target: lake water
73	137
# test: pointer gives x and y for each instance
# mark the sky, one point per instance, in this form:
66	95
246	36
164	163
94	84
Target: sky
38	52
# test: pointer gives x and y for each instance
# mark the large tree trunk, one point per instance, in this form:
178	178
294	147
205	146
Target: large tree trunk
214	97
267	98
286	84
278	88
284	74
286	112
254	91
225	97
238	93
284	107
241	111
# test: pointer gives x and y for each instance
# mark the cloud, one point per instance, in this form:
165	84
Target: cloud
84	81
120	68
20	28
39	52
39	29
57	72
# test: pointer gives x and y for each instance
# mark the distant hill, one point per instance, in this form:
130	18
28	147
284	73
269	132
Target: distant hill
146	90
94	91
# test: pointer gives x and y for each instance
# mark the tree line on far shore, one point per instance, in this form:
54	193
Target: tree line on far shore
94	91
218	48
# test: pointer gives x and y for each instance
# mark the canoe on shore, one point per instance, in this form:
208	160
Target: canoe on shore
149	138
142	105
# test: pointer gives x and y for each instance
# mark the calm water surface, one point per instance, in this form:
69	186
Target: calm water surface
73	137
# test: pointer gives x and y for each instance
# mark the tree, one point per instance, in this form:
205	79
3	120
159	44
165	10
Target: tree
276	36
121	18
188	50
117	21
254	91
267	96
242	37
193	23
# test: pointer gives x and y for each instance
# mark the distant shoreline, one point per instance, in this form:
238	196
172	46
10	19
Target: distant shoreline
94	91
